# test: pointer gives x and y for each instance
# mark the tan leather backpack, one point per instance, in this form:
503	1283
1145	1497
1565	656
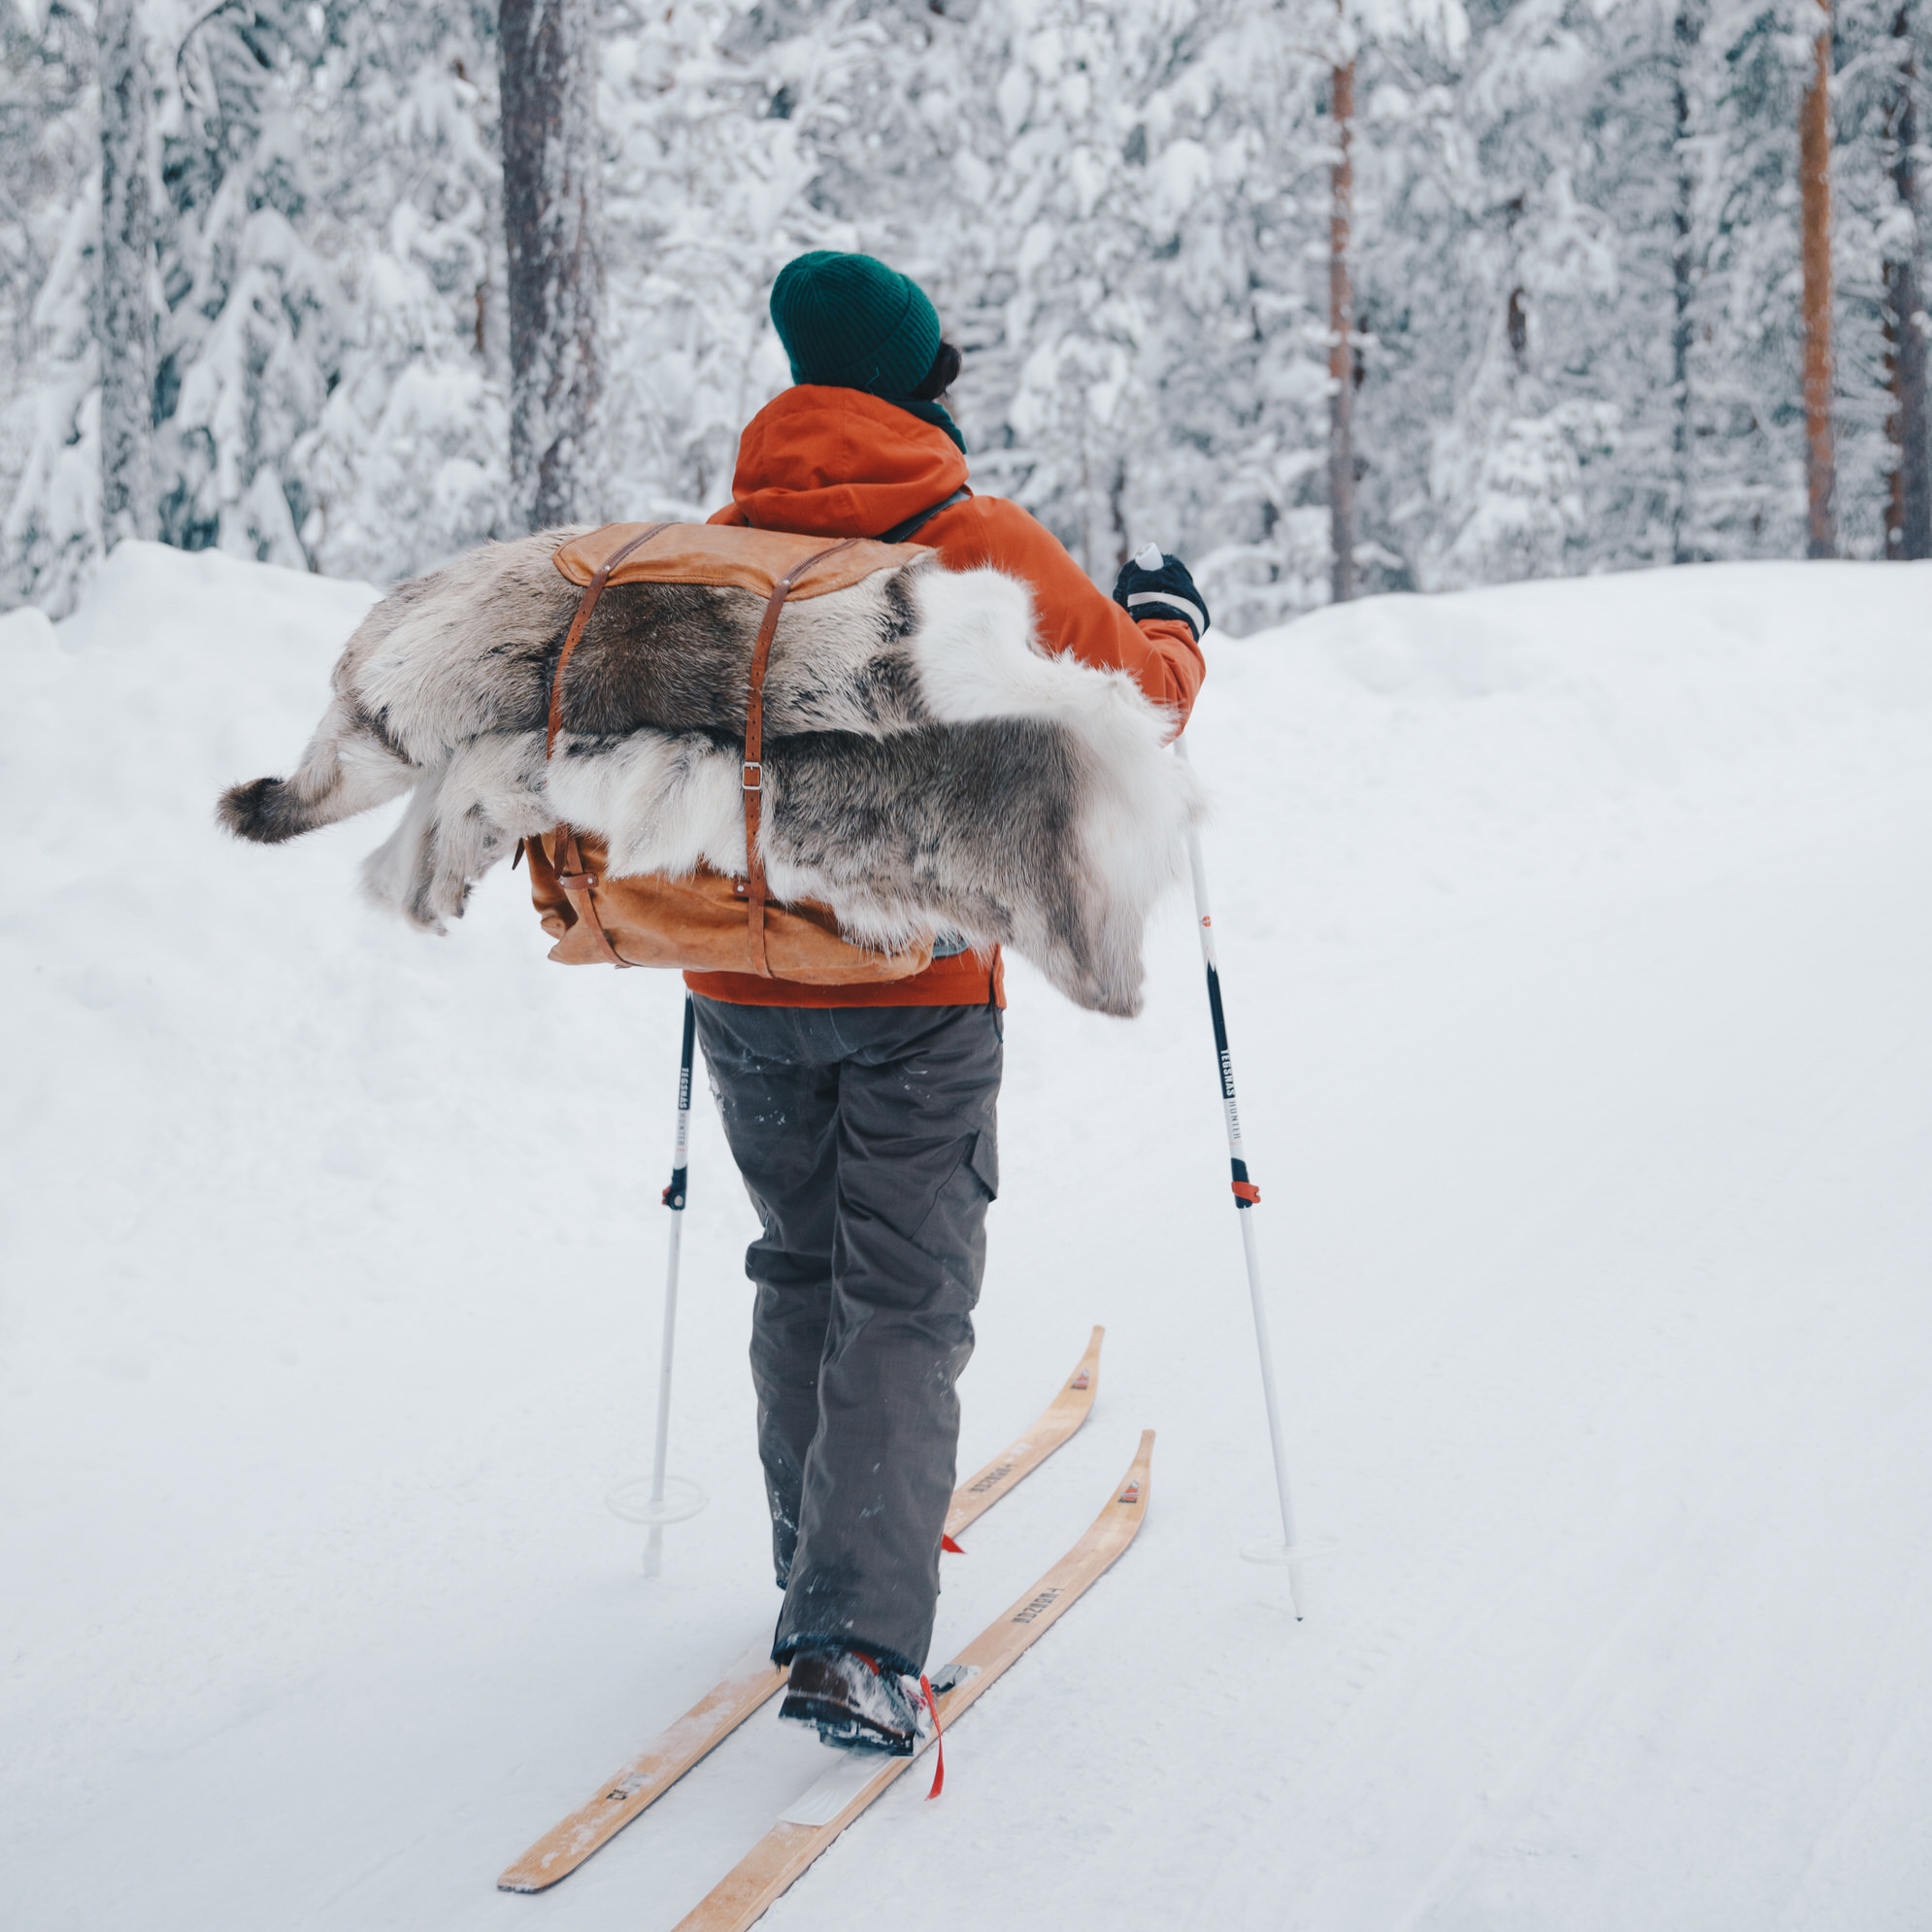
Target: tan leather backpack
710	921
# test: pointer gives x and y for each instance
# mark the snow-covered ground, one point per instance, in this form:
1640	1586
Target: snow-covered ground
1578	942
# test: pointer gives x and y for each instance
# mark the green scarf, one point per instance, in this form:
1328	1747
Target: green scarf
928	413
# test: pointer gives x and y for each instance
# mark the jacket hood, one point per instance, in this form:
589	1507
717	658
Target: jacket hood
830	462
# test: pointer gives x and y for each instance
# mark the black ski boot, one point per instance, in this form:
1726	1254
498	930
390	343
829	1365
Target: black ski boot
854	1702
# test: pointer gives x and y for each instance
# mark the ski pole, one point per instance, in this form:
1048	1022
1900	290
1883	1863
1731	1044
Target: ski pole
674	1199
1246	1195
666	1499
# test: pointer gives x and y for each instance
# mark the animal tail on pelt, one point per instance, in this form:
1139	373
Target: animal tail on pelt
349	767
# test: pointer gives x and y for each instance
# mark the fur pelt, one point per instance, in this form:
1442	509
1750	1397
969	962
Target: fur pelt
927	766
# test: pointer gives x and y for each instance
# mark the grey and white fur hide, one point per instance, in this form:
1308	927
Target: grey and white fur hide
928	767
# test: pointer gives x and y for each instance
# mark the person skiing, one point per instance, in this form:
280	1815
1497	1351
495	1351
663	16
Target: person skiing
862	1117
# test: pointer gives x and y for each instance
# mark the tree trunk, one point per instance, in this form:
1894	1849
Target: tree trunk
130	504
553	204
1909	510
1342	350
1815	194
1686	31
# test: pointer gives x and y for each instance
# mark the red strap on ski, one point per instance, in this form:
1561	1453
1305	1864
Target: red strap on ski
1245	1190
939	1742
947	1543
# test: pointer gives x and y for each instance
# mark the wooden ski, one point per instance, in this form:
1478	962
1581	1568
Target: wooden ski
755	1679
1058	1422
809	1824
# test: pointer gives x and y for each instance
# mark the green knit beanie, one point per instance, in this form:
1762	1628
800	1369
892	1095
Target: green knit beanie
853	323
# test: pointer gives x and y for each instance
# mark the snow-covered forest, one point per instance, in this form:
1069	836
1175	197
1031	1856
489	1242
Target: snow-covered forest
1553	251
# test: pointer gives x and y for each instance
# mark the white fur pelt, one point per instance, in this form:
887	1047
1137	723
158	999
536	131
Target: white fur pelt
928	767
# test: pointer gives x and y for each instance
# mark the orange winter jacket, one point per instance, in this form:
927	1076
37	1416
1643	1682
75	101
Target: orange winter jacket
829	462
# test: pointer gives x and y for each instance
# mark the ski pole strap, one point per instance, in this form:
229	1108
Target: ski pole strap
674	1195
938	1738
1246	1193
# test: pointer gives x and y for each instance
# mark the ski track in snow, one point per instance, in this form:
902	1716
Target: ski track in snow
1576	939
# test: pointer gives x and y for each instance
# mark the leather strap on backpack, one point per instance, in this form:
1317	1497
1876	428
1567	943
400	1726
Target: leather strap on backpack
585	604
575	881
563	853
753	777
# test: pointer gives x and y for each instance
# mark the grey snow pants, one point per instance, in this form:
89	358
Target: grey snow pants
865	1136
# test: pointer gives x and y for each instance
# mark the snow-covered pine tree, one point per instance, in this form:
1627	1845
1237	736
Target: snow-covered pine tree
1816	256
1906	324
1144	320
1750	461
247	340
1415	198
553	204
406	462
49	234
1437	31
323	392
1745	387
1344	357
126	329
1240	301
1686	35
1049	282
1550	451
739	137
1883	466
1512	289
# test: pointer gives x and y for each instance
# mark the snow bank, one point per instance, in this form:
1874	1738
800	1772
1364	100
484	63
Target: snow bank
1576	939
1406	749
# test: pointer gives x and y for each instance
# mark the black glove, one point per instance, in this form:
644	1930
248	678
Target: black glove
1145	590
